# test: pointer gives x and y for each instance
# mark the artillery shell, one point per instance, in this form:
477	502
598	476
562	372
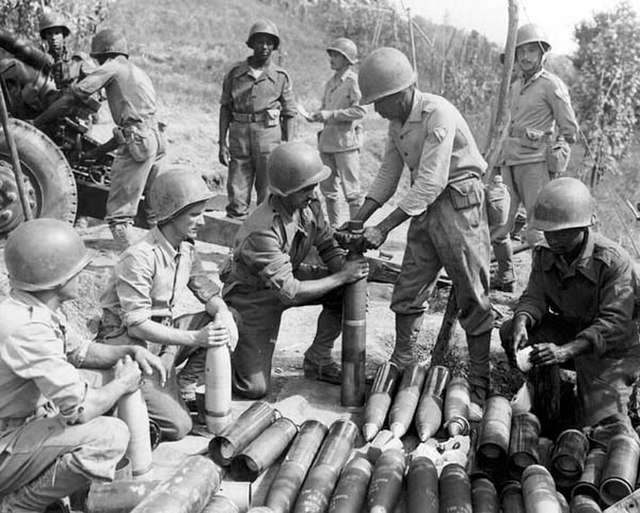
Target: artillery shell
564	505
422	486
238	492
264	450
539	491
456	407
287	482
620	470
117	496
351	491
406	399
379	400
436	381
455	490
429	413
132	409
317	488
253	421
172	496
584	504
589	483
386	482
383	441
569	456
217	394
221	504
484	496
495	429
545	451
523	447
511	498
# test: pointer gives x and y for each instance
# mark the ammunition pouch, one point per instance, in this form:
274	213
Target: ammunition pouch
530	137
465	193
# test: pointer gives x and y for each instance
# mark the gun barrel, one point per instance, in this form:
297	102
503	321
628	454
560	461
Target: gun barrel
24	51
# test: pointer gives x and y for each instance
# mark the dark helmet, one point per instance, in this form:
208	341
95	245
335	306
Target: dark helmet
109	41
51	20
42	254
175	190
562	204
292	166
264	27
384	72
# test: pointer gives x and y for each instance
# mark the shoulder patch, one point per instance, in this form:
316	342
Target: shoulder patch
440	133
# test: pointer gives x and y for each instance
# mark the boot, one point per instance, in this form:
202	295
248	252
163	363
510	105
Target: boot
56	482
318	363
407	331
479	372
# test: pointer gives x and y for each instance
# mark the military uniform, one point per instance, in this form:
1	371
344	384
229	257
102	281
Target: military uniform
132	101
448	221
539	108
262	279
42	393
340	142
592	299
147	283
257	100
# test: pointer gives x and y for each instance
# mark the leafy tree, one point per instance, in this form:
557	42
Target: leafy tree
608	85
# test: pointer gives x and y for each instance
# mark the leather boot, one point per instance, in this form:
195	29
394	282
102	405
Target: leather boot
57	481
479	371
407	331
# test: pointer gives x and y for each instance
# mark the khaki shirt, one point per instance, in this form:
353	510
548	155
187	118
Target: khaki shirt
539	108
243	93
272	244
149	279
342	114
39	356
130	93
595	293
437	146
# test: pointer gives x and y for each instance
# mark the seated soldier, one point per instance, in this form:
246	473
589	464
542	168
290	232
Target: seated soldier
578	310
267	273
53	437
147	283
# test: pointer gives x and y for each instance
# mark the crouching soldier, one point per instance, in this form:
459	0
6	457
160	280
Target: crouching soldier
53	437
577	310
148	282
267	274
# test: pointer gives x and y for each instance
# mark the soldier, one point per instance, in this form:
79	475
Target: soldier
257	111
266	274
578	309
543	126
445	204
148	281
341	138
54	438
139	143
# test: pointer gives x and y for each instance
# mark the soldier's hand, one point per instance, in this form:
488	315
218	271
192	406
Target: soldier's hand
149	362
354	270
374	237
214	334
317	117
519	333
128	373
223	154
225	318
548	354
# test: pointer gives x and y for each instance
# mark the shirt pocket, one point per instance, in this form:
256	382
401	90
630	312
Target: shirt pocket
465	194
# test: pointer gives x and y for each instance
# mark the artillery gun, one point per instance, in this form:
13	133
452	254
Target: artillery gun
61	177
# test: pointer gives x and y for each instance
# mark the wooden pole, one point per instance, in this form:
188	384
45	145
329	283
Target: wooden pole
413	45
17	170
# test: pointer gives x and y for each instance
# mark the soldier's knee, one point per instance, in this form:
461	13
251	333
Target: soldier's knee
112	435
179	427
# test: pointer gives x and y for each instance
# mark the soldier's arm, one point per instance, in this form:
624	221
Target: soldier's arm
563	113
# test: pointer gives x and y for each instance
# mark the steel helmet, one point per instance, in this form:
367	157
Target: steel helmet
53	19
384	72
109	41
345	47
563	203
264	27
43	253
175	190
532	33
292	166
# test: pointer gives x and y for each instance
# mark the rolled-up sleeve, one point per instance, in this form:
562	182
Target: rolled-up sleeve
202	286
94	82
34	352
133	282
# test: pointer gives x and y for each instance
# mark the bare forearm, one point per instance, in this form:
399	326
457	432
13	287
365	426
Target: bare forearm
367	209
396	218
314	289
155	332
100	400
223	124
104	356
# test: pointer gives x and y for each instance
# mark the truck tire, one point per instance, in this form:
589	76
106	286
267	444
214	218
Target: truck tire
48	178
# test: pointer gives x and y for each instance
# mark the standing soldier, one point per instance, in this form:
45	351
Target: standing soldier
445	203
139	302
543	126
267	273
341	138
54	437
257	110
139	143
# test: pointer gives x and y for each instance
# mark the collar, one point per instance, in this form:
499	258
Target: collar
35	304
533	78
342	75
584	262
267	72
293	222
415	116
159	241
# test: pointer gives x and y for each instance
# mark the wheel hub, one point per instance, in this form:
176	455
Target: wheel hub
11	214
